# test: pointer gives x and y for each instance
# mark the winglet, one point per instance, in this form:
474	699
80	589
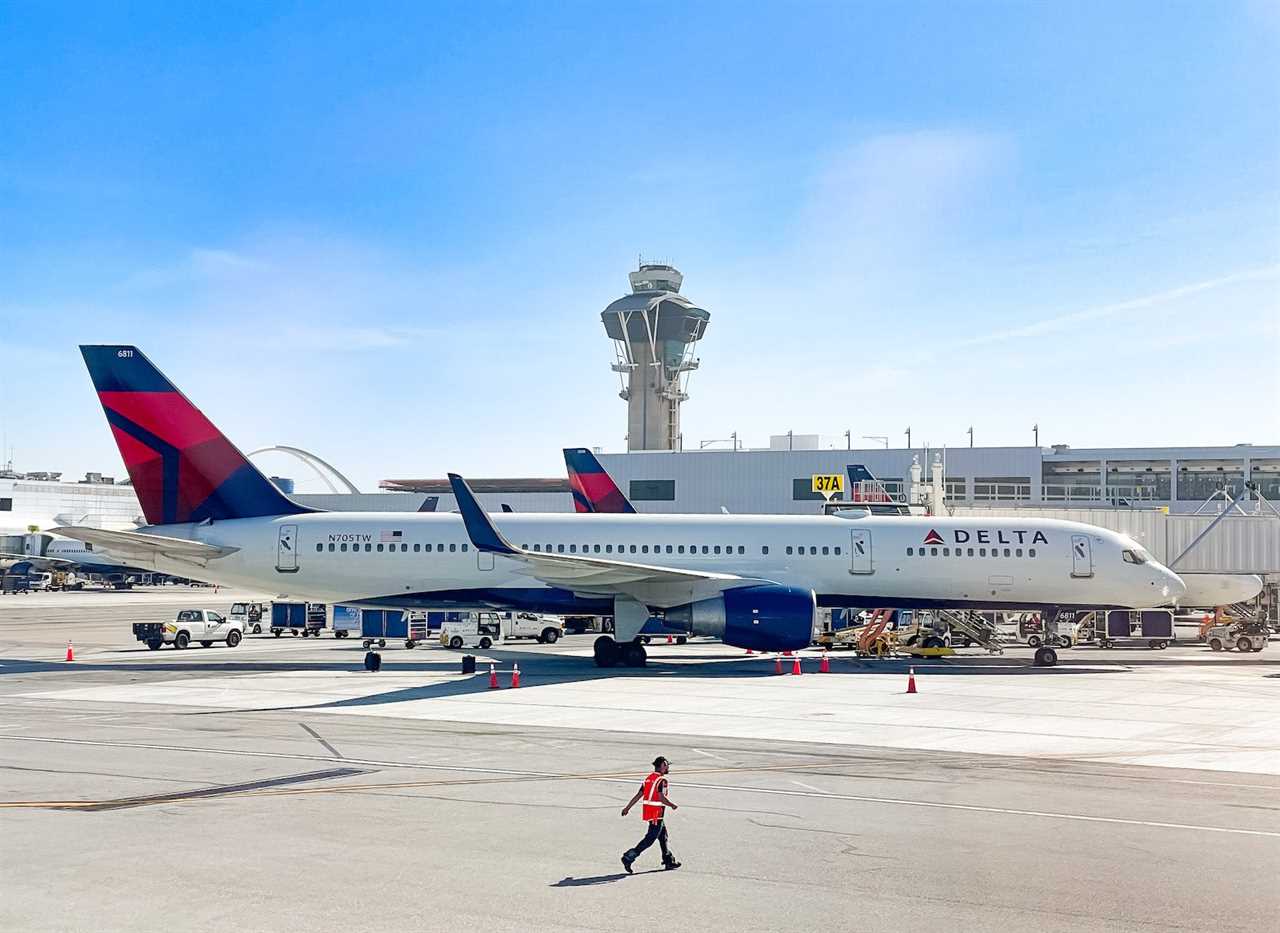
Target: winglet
480	529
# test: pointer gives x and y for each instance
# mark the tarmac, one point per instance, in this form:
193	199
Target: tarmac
278	786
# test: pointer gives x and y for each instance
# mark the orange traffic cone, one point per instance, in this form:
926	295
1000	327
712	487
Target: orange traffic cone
515	676
749	651
825	666
71	655
493	678
777	664
911	680
668	639
795	665
786	654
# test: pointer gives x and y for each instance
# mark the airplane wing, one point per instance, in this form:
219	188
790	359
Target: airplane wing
647	583
146	548
37	559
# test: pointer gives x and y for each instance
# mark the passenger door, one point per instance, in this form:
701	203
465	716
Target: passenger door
1081	556
484	560
860	551
287	549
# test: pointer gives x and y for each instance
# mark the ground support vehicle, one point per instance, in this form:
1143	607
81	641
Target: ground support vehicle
654	628
14	583
346	619
377	625
251	616
288	617
202	625
542	629
1153	627
474	630
1244	635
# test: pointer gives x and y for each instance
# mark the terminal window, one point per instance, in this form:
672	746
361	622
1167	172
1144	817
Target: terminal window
6	505
653	490
802	490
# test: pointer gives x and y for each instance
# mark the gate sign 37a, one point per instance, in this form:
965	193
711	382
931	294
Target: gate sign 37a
828	484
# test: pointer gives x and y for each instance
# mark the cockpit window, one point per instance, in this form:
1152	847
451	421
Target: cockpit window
1135	556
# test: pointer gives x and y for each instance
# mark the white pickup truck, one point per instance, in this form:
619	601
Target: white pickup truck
544	629
202	625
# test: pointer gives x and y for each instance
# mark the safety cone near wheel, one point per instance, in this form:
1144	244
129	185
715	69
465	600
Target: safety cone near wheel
71	655
515	676
493	677
911	680
668	639
825	666
786	654
777	664
749	651
795	665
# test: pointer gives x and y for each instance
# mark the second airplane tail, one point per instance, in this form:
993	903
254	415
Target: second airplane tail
593	489
182	467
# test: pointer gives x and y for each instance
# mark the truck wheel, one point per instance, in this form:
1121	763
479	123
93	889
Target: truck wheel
682	640
155	644
1161	644
276	632
549	636
181	640
933	641
1244	645
1033	641
455	641
233	638
257	628
382	643
1215	644
367	642
485	644
205	644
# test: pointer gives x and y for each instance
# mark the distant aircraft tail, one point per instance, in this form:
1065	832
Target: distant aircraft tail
593	489
183	469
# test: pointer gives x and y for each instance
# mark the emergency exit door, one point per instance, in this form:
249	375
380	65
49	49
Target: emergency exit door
860	551
1081	556
287	549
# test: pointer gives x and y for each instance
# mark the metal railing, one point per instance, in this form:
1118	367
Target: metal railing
1116	495
1002	492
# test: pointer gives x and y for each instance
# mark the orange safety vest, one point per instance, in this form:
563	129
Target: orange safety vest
651	794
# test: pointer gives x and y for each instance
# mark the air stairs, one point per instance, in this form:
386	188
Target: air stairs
977	627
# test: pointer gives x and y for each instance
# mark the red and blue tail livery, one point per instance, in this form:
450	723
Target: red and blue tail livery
593	489
182	467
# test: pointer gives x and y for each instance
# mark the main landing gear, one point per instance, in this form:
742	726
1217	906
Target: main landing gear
608	653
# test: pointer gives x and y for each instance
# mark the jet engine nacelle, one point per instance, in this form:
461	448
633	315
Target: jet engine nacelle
762	618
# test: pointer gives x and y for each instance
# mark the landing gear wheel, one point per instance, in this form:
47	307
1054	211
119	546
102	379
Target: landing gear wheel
634	655
1033	641
1215	644
1046	657
233	639
606	651
485	644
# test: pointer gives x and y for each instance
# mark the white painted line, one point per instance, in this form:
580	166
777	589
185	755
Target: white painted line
807	786
708	754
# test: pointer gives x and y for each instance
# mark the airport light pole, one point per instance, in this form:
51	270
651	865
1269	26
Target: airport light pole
848	439
877	437
970	432
908	437
1035	429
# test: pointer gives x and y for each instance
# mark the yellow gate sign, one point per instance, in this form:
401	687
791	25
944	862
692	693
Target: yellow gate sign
828	484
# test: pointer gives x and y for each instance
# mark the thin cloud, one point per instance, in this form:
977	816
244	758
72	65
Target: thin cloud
1063	322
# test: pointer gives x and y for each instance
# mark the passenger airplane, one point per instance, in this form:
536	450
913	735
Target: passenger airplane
77	557
754	581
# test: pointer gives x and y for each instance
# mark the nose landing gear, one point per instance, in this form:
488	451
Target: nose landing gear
1046	657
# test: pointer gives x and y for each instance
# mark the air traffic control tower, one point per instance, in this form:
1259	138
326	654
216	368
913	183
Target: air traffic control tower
654	331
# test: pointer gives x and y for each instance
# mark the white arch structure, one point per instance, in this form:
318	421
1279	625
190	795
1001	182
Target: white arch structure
322	469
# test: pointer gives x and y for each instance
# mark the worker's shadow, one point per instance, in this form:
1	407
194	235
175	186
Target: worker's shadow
572	882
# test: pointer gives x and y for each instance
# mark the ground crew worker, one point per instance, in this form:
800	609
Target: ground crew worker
654	794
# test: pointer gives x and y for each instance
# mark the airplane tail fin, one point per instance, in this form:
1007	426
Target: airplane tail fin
593	489
182	467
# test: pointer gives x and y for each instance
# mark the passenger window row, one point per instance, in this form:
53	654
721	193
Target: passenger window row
392	548
968	552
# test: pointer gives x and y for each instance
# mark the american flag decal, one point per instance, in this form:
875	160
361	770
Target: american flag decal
391	536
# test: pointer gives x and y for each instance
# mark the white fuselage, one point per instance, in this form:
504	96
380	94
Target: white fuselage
427	559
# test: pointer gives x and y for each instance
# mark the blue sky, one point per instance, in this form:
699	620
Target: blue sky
386	233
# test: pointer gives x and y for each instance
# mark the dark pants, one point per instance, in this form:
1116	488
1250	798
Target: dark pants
657	833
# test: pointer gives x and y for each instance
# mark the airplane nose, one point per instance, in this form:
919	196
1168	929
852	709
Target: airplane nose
1174	588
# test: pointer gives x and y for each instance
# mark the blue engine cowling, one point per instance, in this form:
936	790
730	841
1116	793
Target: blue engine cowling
762	618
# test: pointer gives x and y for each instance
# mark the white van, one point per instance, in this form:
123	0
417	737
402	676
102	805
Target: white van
474	630
39	581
